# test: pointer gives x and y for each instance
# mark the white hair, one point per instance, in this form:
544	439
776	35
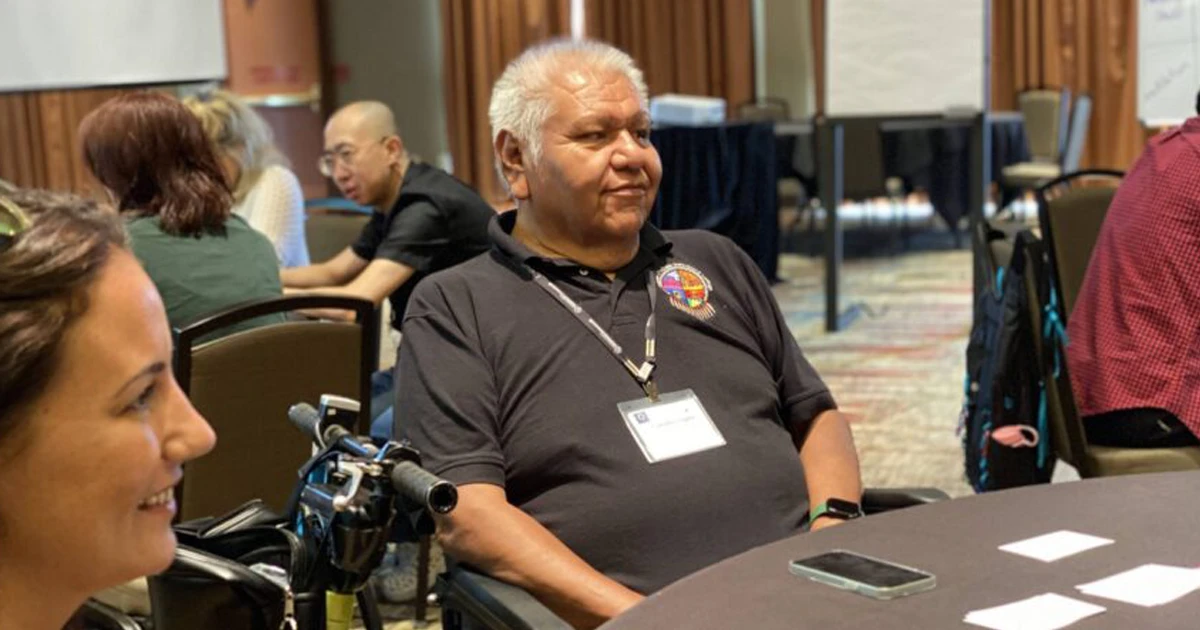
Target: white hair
520	99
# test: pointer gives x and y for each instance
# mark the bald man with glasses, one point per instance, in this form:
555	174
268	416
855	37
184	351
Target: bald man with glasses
423	219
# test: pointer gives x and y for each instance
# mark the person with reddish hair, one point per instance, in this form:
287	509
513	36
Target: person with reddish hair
164	176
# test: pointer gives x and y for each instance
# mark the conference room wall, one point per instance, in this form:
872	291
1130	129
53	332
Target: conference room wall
392	52
789	55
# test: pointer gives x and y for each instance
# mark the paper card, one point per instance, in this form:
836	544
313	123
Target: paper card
1055	545
673	426
1147	585
1041	612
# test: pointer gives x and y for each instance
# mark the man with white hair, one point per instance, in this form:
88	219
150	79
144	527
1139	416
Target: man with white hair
619	406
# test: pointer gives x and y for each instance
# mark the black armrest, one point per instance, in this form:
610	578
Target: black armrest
493	604
96	615
877	500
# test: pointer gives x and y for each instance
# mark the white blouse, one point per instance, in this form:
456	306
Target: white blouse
275	207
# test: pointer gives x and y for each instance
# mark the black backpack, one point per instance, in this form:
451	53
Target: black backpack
1003	424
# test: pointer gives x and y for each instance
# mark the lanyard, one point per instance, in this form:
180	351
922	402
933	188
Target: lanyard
643	373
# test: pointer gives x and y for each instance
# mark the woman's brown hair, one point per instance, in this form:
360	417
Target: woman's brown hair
152	153
45	271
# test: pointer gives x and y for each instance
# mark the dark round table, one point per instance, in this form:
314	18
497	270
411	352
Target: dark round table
1152	518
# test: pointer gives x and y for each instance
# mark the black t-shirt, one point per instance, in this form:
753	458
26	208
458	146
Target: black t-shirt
500	384
437	222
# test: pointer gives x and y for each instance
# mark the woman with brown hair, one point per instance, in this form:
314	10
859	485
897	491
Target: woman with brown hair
94	430
152	155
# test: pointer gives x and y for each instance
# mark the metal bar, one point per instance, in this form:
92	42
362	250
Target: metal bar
832	180
980	179
288	99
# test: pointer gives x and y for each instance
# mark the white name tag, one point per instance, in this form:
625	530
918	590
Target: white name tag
675	426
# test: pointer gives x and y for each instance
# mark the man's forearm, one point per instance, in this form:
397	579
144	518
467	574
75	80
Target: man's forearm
511	546
309	277
830	461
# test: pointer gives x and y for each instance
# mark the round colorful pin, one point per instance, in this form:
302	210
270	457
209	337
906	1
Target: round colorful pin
687	289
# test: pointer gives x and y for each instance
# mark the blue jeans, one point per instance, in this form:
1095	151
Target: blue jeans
383	386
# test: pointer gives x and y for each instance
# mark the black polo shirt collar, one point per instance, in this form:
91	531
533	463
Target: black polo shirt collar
653	244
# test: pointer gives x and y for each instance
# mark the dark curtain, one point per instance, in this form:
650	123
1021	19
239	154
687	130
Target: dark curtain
722	179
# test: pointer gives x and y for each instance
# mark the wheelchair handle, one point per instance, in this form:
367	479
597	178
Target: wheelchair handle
424	488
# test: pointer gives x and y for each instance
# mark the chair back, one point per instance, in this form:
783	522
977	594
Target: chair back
329	230
1045	114
244	384
765	109
1066	426
1081	115
1071	215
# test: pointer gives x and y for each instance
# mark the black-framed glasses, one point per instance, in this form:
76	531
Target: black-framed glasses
13	221
344	154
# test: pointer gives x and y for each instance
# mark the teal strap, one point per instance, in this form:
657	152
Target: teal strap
1054	331
1044	442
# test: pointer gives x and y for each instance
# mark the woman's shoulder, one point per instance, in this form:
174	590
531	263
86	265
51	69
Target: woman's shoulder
278	175
237	227
140	225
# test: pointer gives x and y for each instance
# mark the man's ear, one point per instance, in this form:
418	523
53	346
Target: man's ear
394	147
512	164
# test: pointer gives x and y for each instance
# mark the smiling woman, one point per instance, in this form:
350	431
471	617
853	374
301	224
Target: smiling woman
93	428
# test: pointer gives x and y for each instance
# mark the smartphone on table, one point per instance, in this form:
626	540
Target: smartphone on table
862	574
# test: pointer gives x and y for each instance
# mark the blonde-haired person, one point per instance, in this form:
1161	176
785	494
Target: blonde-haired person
266	193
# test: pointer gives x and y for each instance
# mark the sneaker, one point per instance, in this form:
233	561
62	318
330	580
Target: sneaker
396	578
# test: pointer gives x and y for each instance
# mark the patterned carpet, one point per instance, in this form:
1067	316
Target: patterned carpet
897	370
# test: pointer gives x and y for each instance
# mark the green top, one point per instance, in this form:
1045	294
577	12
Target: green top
201	276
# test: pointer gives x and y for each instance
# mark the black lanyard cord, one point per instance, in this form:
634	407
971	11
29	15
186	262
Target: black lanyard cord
643	374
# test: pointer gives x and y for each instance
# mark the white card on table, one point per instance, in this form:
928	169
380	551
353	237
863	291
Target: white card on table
1048	611
674	426
1055	545
1147	585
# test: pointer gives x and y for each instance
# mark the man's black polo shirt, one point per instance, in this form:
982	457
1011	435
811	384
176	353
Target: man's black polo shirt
499	384
436	223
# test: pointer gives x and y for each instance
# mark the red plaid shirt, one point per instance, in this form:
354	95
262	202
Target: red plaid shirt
1135	331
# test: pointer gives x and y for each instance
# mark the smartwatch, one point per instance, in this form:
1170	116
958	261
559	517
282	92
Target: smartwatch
840	509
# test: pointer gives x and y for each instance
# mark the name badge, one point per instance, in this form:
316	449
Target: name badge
675	426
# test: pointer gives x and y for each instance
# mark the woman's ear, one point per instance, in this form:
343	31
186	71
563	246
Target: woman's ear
512	164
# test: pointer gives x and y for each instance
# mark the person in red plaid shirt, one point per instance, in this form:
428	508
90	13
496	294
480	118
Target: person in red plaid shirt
1134	351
